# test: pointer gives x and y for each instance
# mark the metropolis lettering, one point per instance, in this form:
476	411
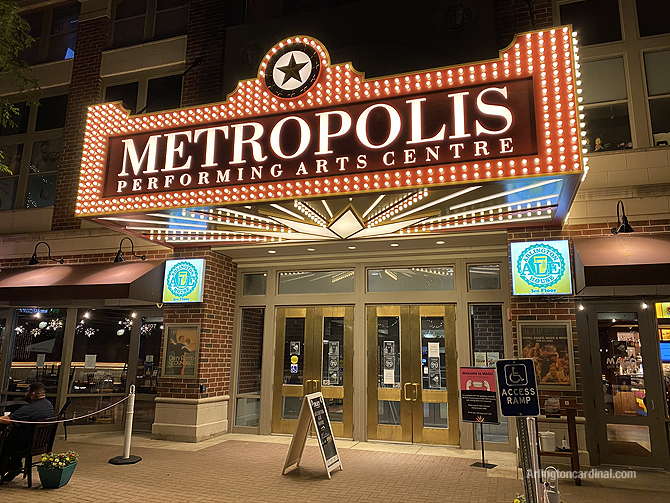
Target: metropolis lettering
479	123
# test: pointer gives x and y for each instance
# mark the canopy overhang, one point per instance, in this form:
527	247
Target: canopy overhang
622	265
141	280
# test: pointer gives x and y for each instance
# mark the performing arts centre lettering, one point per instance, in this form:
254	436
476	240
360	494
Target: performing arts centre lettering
476	123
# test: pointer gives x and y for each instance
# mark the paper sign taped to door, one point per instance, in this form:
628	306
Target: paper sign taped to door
389	377
433	350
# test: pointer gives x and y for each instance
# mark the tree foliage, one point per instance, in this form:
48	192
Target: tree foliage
14	38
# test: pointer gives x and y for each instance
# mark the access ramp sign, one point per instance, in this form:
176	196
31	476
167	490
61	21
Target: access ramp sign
517	387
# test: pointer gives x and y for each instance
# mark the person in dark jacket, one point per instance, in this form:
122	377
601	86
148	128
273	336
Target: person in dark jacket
19	436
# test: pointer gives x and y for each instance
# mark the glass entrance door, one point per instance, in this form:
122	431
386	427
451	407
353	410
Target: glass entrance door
628	399
412	374
314	352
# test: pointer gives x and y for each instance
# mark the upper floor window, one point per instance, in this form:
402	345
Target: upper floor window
138	21
147	94
595	22
657	69
653	17
605	104
54	29
32	152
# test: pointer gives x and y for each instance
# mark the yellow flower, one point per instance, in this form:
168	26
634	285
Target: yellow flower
517	500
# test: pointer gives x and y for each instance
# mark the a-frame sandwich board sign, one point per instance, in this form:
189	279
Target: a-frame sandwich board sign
313	411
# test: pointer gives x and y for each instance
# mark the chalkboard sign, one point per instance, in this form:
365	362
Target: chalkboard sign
313	411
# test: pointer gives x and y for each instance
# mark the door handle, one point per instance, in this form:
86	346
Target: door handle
416	391
405	391
317	385
653	407
307	388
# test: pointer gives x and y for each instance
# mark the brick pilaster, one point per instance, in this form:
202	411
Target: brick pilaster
206	40
85	90
215	316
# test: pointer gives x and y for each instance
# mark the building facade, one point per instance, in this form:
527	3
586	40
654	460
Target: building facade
287	308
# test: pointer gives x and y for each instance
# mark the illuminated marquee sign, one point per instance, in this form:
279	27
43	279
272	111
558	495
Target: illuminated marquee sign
305	128
541	268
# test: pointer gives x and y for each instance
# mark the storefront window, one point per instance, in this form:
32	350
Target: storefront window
36	349
316	282
100	352
488	346
411	279
148	367
99	365
663	319
247	411
621	364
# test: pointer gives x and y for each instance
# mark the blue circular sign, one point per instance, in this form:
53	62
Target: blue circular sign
541	265
182	279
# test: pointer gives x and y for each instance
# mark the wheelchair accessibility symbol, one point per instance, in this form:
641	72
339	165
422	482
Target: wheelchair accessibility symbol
515	375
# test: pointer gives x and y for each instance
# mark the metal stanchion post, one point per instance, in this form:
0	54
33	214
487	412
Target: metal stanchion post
127	459
528	460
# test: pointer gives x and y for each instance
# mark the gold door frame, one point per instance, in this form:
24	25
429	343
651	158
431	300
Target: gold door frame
411	394
312	365
388	432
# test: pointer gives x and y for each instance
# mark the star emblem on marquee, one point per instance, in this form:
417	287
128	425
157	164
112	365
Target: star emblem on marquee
292	70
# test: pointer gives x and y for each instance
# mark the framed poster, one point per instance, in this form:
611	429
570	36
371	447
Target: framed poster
549	344
181	344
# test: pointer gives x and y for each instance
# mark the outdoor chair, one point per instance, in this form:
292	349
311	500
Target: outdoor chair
42	443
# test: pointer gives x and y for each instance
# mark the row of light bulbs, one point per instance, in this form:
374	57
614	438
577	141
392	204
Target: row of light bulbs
108	119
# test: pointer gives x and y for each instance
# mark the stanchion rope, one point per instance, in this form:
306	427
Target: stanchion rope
73	418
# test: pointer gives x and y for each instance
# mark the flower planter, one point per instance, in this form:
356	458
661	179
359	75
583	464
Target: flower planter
57	477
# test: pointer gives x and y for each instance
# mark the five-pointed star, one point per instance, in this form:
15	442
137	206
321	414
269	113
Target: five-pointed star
292	70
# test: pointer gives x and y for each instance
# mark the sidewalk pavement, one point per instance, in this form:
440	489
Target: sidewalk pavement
247	468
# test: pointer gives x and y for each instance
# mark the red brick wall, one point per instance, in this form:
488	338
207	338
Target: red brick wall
251	350
542	309
85	90
513	16
206	40
215	316
94	258
487	328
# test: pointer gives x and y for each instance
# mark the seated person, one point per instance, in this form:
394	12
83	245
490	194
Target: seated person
19	436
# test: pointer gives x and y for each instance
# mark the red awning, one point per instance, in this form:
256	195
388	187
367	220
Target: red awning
625	264
141	280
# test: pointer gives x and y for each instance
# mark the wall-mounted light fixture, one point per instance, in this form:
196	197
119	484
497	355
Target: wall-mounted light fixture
119	254
33	259
622	225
